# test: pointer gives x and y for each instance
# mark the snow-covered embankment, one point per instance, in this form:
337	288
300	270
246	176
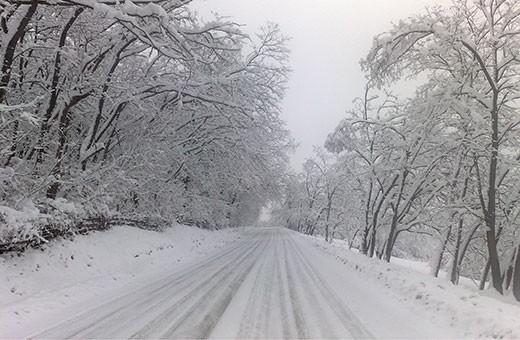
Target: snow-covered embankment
66	276
474	313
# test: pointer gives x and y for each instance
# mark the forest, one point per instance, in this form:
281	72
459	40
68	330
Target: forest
137	113
434	176
141	112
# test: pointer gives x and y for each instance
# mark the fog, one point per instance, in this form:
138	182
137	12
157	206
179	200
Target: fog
328	39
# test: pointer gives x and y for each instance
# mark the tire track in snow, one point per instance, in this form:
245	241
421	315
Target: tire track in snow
151	296
285	297
254	302
322	292
289	329
256	317
295	299
216	292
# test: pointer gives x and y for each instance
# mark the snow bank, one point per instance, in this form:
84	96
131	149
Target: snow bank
92	268
19	225
471	312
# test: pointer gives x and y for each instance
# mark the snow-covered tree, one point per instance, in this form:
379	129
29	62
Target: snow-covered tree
140	109
473	48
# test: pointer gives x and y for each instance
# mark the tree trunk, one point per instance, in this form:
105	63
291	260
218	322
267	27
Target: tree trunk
372	243
54	90
516	276
64	125
12	149
351	243
391	238
454	274
436	265
327	218
380	251
9	54
364	241
508	274
326	232
333	233
484	276
491	237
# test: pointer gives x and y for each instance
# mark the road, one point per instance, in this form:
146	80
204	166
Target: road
271	284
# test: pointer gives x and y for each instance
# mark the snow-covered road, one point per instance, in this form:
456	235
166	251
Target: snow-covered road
271	284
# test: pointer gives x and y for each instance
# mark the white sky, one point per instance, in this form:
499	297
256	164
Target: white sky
329	38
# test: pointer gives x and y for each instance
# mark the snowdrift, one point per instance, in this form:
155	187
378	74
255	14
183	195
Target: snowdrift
475	313
42	285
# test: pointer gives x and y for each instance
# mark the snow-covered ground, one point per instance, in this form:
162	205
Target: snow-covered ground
271	283
46	286
473	313
247	283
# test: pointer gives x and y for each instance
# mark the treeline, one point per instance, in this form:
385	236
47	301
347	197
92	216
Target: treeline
138	110
436	176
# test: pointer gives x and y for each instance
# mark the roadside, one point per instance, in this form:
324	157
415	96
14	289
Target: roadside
41	288
471	312
65	277
272	283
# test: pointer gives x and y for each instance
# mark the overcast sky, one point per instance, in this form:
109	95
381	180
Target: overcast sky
329	38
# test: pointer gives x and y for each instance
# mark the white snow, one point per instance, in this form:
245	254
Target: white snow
19	222
42	287
472	313
265	282
270	284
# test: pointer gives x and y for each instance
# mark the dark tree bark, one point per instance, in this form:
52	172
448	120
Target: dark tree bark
437	265
516	275
8	59
54	90
483	278
454	274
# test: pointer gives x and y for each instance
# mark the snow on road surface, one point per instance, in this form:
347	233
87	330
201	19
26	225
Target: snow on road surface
67	276
270	284
475	313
